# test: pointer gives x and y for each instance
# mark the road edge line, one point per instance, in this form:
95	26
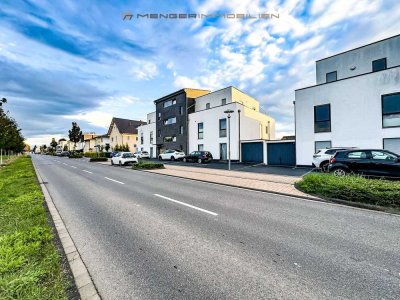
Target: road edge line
83	281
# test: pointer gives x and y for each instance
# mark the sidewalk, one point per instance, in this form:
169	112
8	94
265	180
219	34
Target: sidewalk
263	182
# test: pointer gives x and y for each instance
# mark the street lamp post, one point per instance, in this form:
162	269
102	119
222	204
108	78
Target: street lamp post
229	112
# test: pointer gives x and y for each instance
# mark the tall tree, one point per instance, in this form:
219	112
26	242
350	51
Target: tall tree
75	134
53	143
10	135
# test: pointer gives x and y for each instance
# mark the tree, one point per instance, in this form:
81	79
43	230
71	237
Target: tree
107	147
10	135
125	148
53	143
75	134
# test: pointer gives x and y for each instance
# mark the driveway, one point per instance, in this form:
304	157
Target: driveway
244	167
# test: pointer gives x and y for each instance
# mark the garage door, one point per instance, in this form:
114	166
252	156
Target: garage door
252	152
281	154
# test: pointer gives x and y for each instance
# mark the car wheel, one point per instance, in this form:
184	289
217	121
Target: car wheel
324	166
339	172
112	163
120	163
172	158
159	158
199	161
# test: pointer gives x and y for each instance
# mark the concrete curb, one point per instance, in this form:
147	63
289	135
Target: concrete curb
83	280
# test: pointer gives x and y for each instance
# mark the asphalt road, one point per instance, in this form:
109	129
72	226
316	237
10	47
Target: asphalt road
140	239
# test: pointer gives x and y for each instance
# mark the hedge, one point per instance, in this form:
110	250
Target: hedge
147	165
94	154
94	159
76	155
353	188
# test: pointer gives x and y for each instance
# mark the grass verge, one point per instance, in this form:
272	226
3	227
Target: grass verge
30	266
353	188
147	165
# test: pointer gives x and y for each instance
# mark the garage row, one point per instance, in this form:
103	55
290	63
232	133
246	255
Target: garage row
273	153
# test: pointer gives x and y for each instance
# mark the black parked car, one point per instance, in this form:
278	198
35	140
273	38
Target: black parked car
199	156
64	153
375	162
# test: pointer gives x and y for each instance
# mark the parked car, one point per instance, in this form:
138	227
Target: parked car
142	154
114	153
123	158
375	162
199	156
64	153
171	155
322	157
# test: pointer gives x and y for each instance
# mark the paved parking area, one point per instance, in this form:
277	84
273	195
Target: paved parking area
244	167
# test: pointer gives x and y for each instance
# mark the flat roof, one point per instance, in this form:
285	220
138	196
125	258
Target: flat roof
177	93
359	47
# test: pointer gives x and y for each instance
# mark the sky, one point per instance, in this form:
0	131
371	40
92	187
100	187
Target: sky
64	61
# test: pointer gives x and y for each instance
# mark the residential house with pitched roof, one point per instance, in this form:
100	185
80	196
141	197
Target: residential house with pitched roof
124	132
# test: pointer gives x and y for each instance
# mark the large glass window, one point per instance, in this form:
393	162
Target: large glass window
392	144
332	76
169	139
170	121
379	65
391	110
168	103
200	131
181	129
200	147
322	118
222	128
322	145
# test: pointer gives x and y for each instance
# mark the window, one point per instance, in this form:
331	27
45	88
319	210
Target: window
391	110
200	147
180	110
223	101
170	121
169	139
200	131
141	138
159	133
151	137
149	122
207	105
322	145
112	139
222	128
266	129
169	103
159	116
322	118
128	138
181	129
332	76
383	155
392	144
357	155
379	65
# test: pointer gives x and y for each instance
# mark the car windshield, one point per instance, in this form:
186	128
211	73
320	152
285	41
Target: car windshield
126	155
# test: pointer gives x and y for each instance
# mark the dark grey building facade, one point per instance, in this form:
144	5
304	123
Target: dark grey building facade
172	119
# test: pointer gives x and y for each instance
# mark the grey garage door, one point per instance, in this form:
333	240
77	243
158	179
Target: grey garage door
281	154
252	152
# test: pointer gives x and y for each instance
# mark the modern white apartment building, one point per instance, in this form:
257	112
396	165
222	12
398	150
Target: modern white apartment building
208	124
146	135
355	102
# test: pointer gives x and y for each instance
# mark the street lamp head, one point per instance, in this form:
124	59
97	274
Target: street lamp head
229	111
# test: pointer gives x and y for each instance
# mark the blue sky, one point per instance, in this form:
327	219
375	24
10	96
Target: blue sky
64	61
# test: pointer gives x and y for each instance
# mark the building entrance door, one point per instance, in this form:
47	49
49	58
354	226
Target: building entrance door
223	151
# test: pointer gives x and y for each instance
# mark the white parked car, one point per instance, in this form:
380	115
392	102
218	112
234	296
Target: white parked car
142	154
171	155
123	158
322	157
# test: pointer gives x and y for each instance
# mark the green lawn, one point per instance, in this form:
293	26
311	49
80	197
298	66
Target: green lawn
29	262
379	192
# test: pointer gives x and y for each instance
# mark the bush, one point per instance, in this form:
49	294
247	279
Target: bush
147	165
353	188
75	155
94	159
94	154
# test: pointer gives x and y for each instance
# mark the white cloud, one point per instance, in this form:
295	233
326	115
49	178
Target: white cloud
144	70
96	118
